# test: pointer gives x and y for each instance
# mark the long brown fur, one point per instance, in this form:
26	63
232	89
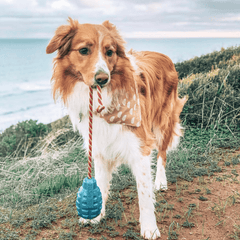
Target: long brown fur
159	99
157	81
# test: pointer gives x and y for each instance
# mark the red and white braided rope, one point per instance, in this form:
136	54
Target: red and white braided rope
90	133
99	93
99	109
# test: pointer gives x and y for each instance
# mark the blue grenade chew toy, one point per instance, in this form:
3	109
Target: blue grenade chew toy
89	197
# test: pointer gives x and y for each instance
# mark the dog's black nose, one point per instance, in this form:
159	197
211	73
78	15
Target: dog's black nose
101	78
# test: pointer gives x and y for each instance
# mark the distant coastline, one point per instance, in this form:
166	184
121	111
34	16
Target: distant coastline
26	70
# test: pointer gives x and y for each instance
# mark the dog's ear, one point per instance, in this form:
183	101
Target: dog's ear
62	39
120	42
110	26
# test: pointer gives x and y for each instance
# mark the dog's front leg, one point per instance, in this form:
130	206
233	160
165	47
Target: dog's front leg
103	175
142	170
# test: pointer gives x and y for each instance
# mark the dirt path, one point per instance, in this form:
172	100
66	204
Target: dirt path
208	208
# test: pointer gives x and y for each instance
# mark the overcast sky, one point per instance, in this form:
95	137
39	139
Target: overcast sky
134	18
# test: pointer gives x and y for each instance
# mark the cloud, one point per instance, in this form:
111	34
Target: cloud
97	3
61	4
42	17
181	34
230	19
141	7
105	7
219	6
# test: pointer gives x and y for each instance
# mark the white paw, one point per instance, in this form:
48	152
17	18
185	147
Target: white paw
161	186
150	233
83	221
95	220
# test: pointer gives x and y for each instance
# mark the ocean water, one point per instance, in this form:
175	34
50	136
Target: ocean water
26	70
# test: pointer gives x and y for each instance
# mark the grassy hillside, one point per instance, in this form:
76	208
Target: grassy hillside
42	166
206	63
212	83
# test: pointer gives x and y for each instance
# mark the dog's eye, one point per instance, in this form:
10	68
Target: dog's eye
84	51
109	53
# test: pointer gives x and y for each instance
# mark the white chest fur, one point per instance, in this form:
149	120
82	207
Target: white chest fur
112	141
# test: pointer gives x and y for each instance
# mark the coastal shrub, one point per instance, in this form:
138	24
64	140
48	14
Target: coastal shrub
213	99
21	136
66	135
7	145
204	64
234	78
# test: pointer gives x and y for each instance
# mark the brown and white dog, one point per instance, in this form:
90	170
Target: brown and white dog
91	54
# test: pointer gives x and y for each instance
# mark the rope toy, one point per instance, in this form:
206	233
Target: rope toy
89	197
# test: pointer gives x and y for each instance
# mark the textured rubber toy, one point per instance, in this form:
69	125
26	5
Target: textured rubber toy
89	199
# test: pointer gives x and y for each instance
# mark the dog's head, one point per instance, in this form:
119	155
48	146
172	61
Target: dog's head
86	52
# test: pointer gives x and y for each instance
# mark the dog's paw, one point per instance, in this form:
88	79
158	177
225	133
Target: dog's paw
161	186
84	221
150	233
95	220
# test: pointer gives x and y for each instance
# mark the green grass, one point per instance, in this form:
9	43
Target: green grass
34	182
29	180
24	133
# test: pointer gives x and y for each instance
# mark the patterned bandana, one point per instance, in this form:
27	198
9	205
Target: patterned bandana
125	109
